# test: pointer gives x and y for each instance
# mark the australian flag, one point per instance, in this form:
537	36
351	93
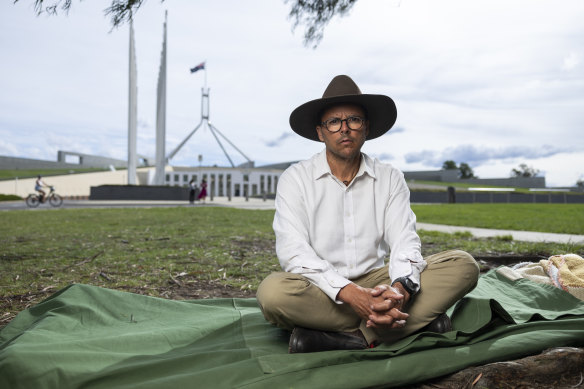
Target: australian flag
198	67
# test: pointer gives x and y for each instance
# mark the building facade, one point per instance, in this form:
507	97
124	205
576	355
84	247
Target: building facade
225	181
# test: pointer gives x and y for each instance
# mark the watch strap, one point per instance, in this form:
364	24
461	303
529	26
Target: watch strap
407	284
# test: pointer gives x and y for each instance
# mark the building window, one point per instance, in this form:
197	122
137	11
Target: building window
185	178
168	178
269	184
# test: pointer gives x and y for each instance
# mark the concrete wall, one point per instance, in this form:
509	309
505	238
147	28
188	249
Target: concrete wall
518	182
72	184
452	176
433	175
87	160
15	163
131	192
495	197
83	161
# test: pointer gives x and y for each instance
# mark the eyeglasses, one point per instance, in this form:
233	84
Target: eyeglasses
334	125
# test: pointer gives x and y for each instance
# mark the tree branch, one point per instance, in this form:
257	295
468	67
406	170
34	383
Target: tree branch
315	15
120	11
41	7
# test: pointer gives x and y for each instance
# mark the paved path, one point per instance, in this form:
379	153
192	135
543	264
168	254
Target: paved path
525	236
252	203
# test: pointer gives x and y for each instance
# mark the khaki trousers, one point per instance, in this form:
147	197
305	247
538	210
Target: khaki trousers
290	300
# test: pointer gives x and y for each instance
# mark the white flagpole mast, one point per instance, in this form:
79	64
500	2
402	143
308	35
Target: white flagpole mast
161	115
132	109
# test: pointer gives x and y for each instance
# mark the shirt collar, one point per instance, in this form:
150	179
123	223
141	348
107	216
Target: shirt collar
322	168
367	166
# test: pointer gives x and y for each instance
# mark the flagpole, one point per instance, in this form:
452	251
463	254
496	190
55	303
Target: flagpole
132	108
161	160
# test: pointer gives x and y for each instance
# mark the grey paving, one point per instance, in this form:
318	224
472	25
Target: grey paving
525	236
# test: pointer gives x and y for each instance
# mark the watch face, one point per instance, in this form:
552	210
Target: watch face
408	285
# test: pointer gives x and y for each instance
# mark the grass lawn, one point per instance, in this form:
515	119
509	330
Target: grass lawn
558	218
33	173
161	251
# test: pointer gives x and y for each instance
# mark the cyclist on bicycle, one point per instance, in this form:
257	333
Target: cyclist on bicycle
38	186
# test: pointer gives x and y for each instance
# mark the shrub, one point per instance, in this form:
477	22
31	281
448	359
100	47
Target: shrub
4	197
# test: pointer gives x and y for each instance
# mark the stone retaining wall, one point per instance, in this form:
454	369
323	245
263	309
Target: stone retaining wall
138	192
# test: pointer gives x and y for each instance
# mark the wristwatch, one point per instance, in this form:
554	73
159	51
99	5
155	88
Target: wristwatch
409	285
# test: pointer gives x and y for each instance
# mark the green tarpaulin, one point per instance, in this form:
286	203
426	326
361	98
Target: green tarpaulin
91	337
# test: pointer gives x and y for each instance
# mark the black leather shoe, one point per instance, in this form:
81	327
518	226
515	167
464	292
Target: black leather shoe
439	325
304	340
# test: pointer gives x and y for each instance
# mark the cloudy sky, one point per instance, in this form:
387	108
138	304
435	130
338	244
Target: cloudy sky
493	83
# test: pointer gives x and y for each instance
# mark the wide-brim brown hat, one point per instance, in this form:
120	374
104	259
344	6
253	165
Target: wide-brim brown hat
380	109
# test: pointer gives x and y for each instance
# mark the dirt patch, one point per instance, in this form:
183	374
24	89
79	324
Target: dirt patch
556	368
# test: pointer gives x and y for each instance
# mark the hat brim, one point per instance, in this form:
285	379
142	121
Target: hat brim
381	113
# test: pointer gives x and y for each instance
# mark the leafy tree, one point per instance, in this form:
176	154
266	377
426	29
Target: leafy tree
315	15
524	171
449	165
580	183
466	171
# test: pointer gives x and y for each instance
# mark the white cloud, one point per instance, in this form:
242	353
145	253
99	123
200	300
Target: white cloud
478	155
571	61
279	140
7	148
484	74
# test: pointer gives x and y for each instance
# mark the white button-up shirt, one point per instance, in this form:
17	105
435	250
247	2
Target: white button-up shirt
332	233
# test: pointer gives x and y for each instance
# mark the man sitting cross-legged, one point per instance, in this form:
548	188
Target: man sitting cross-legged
338	215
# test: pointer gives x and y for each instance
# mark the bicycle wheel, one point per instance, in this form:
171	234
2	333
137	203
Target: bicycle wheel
32	201
55	200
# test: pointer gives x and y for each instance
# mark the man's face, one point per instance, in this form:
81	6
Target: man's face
346	143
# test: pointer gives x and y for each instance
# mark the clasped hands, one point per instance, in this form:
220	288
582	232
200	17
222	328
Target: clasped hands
381	306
